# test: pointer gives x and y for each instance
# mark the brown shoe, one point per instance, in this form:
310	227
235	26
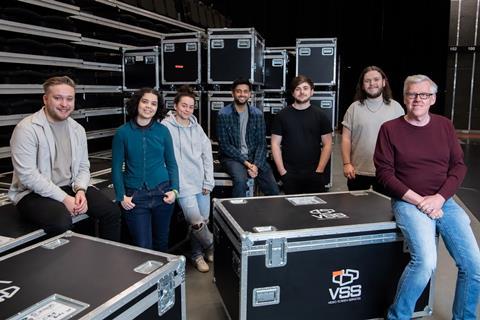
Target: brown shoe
201	265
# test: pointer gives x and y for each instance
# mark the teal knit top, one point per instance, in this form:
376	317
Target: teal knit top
142	157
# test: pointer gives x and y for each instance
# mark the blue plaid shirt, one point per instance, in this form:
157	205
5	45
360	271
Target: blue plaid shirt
228	132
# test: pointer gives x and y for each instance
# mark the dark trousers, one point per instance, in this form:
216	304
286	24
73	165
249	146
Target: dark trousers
52	215
238	172
364	183
295	182
149	221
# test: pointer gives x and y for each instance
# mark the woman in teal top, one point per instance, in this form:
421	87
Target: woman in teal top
144	171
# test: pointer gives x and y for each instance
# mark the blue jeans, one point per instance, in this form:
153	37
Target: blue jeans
196	209
239	175
149	221
419	232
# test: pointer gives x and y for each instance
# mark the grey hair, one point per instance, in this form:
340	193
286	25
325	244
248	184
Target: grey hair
417	78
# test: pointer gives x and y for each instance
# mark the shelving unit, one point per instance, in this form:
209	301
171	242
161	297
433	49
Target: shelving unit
87	47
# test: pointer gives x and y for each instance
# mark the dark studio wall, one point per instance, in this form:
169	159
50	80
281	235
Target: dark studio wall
402	37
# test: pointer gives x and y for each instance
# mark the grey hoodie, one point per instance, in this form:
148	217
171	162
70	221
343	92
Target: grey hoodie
193	152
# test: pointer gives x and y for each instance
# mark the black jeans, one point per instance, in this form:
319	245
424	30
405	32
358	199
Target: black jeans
364	183
303	182
52	215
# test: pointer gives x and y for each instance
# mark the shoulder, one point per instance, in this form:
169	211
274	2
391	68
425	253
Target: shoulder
441	120
75	125
255	111
226	110
394	123
395	104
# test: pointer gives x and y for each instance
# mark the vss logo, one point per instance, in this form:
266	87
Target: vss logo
327	214
345	292
8	292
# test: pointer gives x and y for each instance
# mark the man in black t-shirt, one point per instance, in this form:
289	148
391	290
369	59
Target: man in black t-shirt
302	141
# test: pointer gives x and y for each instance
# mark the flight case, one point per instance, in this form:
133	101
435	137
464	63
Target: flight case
317	59
73	276
328	255
235	53
181	58
141	68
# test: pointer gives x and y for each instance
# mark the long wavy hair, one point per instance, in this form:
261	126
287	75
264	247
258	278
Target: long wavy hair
360	93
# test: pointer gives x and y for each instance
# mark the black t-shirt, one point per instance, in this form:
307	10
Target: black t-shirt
301	132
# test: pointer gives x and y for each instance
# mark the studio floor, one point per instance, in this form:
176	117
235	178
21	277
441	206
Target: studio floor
203	299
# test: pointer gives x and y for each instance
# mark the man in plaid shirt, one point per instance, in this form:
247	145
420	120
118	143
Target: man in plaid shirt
241	137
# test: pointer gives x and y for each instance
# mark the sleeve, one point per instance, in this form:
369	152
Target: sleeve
170	161
457	168
226	146
82	179
260	154
118	159
24	148
384	161
277	124
207	159
348	118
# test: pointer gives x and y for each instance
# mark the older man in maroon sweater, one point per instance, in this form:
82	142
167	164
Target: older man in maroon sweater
420	163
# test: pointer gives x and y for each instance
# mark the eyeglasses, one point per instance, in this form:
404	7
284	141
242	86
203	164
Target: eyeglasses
422	95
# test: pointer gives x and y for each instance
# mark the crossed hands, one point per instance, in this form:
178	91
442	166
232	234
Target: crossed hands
432	206
76	205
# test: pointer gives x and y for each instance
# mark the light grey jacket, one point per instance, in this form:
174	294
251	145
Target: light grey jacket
193	152
33	151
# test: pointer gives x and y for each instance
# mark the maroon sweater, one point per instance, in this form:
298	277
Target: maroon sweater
427	160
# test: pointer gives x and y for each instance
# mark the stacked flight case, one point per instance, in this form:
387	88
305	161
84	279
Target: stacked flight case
235	53
181	59
73	276
141	68
317	59
319	256
276	61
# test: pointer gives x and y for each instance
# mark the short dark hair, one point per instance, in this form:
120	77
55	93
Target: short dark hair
238	82
132	103
360	93
184	91
299	80
55	81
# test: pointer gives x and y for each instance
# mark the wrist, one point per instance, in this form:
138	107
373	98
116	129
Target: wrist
77	190
345	163
175	192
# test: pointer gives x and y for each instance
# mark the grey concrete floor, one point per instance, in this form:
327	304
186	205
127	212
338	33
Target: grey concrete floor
204	301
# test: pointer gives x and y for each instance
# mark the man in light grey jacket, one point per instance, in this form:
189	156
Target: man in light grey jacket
51	171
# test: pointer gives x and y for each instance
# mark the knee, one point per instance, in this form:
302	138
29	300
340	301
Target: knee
425	263
61	224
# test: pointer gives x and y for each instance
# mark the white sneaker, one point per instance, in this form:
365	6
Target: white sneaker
201	265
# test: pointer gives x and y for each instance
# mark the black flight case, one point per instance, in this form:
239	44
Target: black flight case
73	276
325	256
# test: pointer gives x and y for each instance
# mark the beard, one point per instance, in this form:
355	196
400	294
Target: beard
298	101
240	103
375	95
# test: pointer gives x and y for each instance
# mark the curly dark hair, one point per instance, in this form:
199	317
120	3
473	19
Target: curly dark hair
240	81
132	104
361	95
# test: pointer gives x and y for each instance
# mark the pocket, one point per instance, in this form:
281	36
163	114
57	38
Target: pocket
131	192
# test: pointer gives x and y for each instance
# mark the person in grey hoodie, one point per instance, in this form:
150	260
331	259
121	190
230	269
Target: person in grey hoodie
193	153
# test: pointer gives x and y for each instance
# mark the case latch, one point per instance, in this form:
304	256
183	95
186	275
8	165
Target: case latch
166	293
276	255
